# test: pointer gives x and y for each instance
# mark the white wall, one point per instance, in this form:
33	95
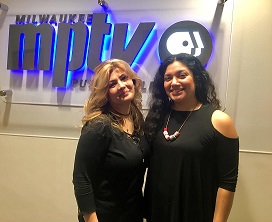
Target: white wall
249	103
37	143
36	179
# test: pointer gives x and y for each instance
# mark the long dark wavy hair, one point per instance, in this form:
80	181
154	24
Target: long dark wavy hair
159	102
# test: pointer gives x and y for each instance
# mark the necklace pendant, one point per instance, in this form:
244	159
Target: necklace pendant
173	138
177	133
166	135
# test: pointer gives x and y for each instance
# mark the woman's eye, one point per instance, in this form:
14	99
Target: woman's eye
167	78
182	76
112	85
123	78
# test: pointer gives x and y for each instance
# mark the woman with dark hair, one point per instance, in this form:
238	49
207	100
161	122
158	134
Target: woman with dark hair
194	146
111	155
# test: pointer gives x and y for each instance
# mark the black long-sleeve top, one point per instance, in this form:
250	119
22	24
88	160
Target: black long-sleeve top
109	172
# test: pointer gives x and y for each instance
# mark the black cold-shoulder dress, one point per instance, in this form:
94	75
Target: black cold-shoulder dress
184	175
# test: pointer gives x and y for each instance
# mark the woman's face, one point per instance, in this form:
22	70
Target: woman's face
121	88
179	83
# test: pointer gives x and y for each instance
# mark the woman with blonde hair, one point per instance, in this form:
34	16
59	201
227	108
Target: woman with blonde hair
111	155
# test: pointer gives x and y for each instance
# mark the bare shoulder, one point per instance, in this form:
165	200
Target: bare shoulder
224	124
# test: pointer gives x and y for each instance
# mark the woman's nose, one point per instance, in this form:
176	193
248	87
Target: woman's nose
175	81
121	84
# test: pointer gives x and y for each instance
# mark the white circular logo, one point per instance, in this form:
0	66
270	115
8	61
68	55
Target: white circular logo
186	37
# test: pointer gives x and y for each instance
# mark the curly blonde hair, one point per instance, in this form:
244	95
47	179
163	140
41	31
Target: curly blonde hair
98	103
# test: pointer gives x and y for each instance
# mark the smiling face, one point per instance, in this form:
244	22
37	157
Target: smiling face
121	89
179	84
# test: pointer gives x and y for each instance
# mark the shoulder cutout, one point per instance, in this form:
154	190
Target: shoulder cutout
223	124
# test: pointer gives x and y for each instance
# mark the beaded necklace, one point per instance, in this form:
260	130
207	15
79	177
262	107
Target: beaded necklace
174	136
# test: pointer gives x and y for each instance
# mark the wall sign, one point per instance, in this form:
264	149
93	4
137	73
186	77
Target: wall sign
34	47
72	46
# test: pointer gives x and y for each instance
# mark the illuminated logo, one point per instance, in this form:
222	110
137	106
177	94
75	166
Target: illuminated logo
186	37
72	43
35	46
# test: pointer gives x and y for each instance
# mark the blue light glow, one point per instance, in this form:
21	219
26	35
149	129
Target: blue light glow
37	51
69	57
87	40
54	47
145	49
106	42
69	79
21	51
70	45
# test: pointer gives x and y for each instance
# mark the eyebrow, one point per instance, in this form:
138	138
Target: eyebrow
179	71
122	74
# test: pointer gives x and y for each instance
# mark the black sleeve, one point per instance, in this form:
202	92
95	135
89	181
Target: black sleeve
227	162
91	150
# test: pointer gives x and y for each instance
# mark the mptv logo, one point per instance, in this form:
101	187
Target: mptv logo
34	46
72	46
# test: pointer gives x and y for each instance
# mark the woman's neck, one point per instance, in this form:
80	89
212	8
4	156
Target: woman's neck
195	105
121	110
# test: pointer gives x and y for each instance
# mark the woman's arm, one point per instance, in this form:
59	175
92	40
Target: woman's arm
90	217
223	205
91	150
227	162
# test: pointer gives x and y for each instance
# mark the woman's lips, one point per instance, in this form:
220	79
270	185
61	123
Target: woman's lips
176	91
